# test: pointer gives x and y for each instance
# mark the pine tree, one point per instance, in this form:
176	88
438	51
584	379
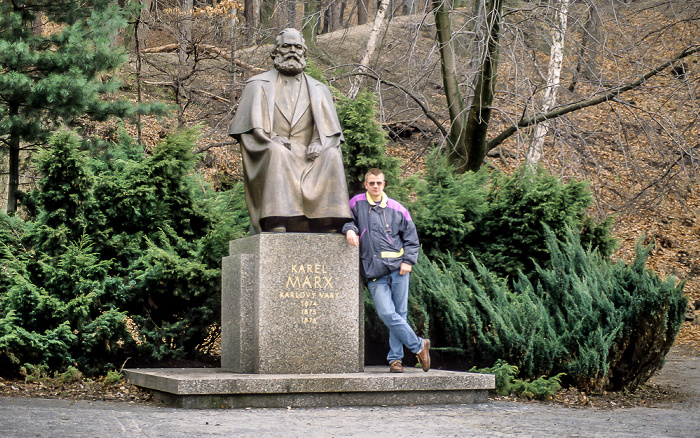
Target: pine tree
53	75
365	141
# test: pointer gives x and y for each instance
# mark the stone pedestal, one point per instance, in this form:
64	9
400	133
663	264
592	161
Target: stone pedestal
292	325
291	304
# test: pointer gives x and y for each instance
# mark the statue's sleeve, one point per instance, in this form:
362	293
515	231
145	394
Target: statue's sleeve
252	110
325	116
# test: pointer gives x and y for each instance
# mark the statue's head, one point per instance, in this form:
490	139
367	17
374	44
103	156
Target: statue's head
289	52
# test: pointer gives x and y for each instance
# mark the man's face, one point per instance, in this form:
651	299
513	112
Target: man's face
374	184
290	58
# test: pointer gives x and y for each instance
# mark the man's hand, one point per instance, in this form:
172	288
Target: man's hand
352	238
405	268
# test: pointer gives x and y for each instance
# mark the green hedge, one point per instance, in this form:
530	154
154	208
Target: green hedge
606	326
120	258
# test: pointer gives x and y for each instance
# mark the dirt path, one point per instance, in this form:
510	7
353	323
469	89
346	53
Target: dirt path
677	417
681	374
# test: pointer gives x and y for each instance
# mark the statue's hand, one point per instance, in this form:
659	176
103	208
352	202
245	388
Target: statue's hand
284	141
312	151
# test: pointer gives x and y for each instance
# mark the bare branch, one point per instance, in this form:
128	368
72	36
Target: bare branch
208	49
429	114
610	94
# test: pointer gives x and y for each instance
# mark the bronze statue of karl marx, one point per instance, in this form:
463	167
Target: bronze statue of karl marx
290	139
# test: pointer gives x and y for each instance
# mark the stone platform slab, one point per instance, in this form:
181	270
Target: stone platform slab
207	388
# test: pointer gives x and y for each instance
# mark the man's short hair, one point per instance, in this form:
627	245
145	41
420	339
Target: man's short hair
374	171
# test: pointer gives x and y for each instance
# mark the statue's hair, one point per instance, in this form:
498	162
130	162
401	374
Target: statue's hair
278	41
374	171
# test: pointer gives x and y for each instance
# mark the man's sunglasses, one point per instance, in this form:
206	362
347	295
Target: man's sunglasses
375	183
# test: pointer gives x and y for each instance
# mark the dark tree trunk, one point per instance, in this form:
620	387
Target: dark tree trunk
13	183
362	12
252	20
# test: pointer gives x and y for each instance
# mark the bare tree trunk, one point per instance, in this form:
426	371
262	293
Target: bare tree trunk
291	13
185	41
467	138
362	13
326	19
267	17
591	44
13	182
587	66
252	19
556	59
311	21
137	42
341	13
233	49
479	116
448	65
371	47
334	16
142	23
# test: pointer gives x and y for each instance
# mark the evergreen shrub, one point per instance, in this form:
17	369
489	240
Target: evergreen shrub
508	236
121	258
447	207
500	218
605	326
365	141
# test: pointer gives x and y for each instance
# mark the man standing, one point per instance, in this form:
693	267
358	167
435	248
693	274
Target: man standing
388	242
290	140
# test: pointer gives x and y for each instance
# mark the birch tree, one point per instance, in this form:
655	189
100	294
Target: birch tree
556	59
371	47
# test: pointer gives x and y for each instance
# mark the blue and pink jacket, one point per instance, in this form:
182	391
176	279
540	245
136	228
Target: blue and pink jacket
387	234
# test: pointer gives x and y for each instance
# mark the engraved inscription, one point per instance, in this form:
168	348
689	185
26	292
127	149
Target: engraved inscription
310	284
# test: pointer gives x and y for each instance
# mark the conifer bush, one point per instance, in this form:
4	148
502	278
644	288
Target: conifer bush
515	271
508	236
500	218
56	300
364	141
447	207
605	326
121	258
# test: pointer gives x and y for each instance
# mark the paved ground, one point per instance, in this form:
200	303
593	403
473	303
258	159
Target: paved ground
20	417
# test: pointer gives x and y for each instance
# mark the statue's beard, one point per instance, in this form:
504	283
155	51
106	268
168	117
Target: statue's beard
290	65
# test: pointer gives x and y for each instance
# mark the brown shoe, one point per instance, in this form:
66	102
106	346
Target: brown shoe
424	355
395	366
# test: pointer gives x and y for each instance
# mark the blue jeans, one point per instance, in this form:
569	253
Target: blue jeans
390	295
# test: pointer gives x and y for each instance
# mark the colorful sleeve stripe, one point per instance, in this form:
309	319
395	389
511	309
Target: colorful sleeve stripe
355	199
395	205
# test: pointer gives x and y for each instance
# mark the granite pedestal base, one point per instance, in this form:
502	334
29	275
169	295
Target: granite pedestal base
291	304
213	388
